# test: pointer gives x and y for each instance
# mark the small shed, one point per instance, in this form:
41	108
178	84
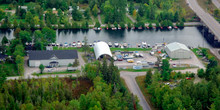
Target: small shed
177	50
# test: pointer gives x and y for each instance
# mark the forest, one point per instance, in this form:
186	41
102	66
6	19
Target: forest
187	95
99	88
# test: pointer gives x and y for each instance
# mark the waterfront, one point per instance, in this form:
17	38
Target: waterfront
189	36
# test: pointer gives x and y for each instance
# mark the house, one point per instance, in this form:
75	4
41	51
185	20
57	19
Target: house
177	50
102	49
52	58
3	57
23	7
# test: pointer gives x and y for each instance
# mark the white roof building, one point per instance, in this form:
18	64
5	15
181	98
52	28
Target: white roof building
101	48
177	50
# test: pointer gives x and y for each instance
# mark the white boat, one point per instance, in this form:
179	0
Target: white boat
114	28
109	44
74	44
90	44
116	44
169	27
148	45
125	45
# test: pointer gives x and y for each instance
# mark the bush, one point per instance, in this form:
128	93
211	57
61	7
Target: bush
192	75
201	73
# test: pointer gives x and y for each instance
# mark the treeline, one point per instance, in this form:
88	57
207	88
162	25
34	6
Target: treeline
122	99
186	94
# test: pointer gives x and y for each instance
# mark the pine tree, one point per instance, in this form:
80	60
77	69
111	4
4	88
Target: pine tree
148	78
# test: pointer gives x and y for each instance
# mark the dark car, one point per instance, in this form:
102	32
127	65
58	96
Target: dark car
119	57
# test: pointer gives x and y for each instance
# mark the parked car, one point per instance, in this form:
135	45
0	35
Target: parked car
119	57
130	60
188	78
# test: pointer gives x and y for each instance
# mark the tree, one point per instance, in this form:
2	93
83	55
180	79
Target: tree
2	76
95	10
166	70
87	13
2	14
20	64
25	37
86	46
4	40
200	73
49	35
97	24
19	50
29	17
131	8
148	78
39	45
41	67
15	24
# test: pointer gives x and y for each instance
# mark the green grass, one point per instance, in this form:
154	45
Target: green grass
4	6
62	72
11	69
195	52
133	70
128	20
131	49
182	68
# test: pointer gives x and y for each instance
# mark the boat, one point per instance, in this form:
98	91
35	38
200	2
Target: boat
99	28
119	28
65	44
140	28
57	44
148	45
144	44
125	45
53	44
107	28
169	27
74	44
114	28
139	45
95	28
175	27
133	28
90	44
109	44
147	27
116	44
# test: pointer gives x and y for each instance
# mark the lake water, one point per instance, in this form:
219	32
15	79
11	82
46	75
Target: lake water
189	36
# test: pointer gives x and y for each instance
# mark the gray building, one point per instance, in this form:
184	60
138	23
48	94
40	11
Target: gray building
177	50
52	58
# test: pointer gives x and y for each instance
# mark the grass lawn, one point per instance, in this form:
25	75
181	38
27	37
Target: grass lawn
4	6
182	68
140	82
133	70
128	20
11	69
195	52
62	72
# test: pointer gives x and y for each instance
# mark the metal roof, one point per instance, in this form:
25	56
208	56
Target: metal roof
176	46
53	54
102	48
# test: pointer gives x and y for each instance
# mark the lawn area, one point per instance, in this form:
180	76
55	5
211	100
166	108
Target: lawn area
4	6
133	70
188	11
68	48
140	82
131	49
62	72
11	69
195	52
182	68
128	20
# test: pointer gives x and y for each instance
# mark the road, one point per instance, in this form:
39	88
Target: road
205	17
132	85
216	3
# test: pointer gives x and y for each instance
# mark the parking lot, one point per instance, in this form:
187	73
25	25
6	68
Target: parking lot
192	62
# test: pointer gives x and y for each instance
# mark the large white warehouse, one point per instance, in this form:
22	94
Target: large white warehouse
101	48
177	50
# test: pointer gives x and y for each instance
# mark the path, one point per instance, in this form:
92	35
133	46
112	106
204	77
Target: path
133	20
216	3
99	18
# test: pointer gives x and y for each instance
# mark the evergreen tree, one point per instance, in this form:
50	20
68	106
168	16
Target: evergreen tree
148	78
